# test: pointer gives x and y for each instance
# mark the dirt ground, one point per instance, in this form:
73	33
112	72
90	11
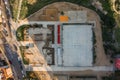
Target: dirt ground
32	1
101	59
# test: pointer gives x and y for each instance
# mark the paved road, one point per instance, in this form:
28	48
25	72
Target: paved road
6	14
13	57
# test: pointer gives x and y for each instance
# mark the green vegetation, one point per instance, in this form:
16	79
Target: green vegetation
117	39
108	24
25	61
28	9
14	8
107	7
24	9
30	75
20	32
62	13
94	42
10	79
107	78
107	34
117	35
117	18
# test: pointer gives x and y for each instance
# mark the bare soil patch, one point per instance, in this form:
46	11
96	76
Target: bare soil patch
31	1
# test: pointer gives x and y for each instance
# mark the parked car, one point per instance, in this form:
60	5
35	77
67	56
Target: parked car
5	32
10	62
3	21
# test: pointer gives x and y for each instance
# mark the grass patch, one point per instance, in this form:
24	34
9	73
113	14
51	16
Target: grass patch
14	7
22	48
106	4
117	35
117	18
20	32
107	34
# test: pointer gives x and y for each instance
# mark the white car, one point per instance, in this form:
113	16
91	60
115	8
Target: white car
5	1
19	59
22	73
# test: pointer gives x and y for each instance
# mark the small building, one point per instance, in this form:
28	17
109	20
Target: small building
117	62
5	73
117	67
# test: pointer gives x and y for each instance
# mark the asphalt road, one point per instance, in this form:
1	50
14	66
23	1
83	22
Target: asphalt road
10	54
13	58
7	15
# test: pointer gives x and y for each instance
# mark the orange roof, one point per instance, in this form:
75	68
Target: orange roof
63	18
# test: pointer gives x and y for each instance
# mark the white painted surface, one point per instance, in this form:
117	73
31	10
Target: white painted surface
59	56
77	45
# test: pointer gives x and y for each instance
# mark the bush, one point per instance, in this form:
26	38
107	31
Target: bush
25	61
20	32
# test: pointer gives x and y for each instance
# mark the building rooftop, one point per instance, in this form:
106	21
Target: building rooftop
117	63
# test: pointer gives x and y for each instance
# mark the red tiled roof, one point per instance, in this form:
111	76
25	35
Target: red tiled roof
117	63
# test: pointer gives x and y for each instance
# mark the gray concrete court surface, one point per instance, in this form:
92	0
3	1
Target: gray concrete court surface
77	45
80	16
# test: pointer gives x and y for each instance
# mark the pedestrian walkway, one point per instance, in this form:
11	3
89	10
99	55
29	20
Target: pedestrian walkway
56	68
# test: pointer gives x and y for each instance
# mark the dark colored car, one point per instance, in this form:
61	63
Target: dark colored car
5	32
10	62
